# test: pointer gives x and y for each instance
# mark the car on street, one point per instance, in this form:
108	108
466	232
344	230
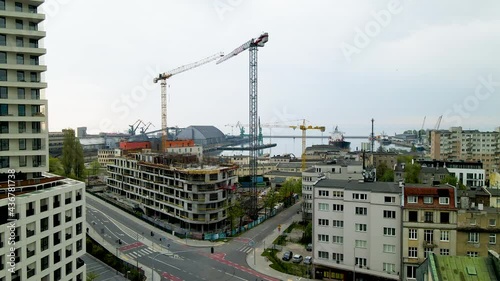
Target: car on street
287	256
297	258
309	247
308	260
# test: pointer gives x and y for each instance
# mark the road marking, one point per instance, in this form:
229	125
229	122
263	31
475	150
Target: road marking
166	264
236	276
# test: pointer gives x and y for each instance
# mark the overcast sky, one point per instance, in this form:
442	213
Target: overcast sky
330	62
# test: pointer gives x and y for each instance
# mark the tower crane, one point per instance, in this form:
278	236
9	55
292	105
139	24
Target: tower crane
421	132
438	123
163	78
133	128
252	45
304	128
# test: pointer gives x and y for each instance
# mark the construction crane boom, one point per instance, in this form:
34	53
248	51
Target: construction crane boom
304	128
252	45
438	123
163	78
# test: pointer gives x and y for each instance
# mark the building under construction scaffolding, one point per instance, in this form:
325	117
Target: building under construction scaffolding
175	188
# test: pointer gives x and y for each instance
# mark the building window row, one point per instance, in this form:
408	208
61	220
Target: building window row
359	196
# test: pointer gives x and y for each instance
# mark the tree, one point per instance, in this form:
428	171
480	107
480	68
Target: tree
72	156
235	211
449	179
94	168
55	166
412	171
271	200
91	276
384	173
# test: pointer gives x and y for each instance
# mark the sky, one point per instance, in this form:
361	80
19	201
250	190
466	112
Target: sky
332	63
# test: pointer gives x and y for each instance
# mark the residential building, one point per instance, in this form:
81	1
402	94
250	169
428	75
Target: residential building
23	107
470	145
184	147
438	267
356	230
478	230
175	188
388	158
48	222
473	196
427	175
429	224
468	173
495	197
106	156
56	140
339	170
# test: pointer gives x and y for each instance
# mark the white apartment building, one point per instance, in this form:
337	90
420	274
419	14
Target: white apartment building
46	231
468	173
470	145
356	230
23	125
339	170
196	197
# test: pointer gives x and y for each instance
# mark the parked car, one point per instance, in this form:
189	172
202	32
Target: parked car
287	256
297	258
308	260
309	247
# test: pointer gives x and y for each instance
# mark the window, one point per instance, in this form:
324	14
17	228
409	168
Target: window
472	254
323	193
323	206
33	43
338	194
411	271
445	235
412	252
20	76
32	26
411	199
34	77
22	161
2	22
361	211
3	40
19	24
322	255
428	200
389	267
493	239
493	222
4	109
44	224
413	216
2	4
360	243
35	94
429	217
45	263
22	144
444	252
44	243
323	238
337	223
338	257
3	75
19	7
337	239
3	57
69	268
4	93
473	221
34	60
359	196
4	127
21	93
361	227
428	235
389	199
20	59
427	252
389	248
21	110
473	237
338	207
32	9
389	231
19	42
323	222
444	200
22	127
389	214
444	217
4	162
360	261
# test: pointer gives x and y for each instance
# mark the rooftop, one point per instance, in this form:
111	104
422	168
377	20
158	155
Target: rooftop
382	187
462	268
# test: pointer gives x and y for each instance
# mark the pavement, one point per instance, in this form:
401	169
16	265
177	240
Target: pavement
104	272
262	265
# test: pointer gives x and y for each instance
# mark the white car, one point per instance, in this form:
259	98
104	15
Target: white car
297	258
308	260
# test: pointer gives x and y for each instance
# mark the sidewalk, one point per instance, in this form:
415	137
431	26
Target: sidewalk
262	266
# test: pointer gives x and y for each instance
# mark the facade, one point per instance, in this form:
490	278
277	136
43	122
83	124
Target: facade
470	145
388	158
23	107
48	223
495	197
468	173
106	156
184	147
477	231
429	225
56	140
196	197
356	230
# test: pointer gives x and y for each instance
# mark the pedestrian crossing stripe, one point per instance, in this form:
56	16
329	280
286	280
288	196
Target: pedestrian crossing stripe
246	249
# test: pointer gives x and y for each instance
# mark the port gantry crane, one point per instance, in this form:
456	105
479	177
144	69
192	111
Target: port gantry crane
304	128
163	78
252	45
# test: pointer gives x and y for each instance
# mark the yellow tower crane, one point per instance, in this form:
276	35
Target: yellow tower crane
163	78
304	128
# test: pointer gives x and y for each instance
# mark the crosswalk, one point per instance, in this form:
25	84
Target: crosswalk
245	249
141	252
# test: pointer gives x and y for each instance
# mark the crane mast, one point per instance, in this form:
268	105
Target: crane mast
163	78
252	46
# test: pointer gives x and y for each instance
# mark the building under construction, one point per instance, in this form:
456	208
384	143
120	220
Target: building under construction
175	188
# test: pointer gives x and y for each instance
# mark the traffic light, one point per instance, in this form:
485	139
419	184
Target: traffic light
212	250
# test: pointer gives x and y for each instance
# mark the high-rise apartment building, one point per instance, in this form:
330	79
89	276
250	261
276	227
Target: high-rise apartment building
469	145
41	216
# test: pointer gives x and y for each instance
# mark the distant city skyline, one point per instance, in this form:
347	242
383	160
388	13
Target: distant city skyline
332	63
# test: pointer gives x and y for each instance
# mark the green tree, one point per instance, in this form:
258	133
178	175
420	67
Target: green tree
91	276
72	156
234	212
381	168
94	168
55	166
412	171
271	200
449	179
